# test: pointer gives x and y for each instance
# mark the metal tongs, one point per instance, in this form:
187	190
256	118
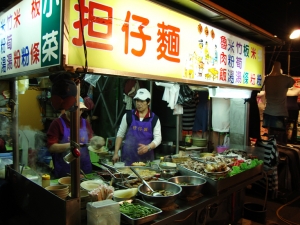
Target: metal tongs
154	193
108	168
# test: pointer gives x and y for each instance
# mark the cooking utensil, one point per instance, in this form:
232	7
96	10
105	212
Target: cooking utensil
154	193
160	201
84	175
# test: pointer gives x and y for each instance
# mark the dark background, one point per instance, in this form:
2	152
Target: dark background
278	17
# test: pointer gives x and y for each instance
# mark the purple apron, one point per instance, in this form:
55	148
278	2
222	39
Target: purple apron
61	168
139	132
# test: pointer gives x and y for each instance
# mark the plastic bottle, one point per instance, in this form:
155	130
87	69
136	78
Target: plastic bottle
45	180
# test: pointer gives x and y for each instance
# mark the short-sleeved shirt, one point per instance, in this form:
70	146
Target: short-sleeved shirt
276	88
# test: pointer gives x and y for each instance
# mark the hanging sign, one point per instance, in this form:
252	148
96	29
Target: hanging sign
30	36
139	36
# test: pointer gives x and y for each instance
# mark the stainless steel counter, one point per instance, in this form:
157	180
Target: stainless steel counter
187	207
41	204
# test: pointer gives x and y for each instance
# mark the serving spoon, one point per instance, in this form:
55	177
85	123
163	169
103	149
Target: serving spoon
154	193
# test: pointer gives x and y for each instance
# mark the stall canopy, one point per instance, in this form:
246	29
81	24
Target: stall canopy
217	16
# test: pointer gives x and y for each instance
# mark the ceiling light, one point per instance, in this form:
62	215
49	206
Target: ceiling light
295	34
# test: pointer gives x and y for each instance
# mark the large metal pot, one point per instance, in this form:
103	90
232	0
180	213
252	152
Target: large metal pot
191	185
160	201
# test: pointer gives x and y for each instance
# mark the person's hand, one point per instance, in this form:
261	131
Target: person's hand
142	149
115	158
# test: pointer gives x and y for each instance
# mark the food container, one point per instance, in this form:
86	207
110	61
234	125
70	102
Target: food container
45	180
168	173
61	191
160	201
199	142
90	185
123	195
103	212
65	181
134	183
137	221
217	187
191	185
221	149
188	138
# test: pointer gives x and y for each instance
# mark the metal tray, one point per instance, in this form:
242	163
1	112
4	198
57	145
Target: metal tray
142	220
127	170
217	187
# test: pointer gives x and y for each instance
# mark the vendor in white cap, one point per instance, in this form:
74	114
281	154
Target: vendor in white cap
141	129
58	142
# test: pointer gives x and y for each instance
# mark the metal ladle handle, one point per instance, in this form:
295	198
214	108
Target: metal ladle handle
136	173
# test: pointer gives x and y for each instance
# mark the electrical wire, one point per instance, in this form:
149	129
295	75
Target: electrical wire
283	219
83	39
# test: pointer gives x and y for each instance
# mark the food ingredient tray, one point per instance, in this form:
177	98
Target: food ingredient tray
142	220
216	187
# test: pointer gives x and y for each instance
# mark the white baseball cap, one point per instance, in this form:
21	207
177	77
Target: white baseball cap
142	94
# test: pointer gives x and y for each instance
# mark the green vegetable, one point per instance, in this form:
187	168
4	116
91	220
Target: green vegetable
244	166
135	210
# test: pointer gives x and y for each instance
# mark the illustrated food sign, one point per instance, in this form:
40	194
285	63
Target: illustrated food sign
139	36
297	85
30	35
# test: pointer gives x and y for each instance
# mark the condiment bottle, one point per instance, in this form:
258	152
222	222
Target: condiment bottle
45	180
188	138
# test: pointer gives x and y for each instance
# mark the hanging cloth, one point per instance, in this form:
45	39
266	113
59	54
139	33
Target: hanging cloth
220	114
201	118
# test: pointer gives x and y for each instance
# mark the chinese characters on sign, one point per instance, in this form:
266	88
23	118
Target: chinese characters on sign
168	38
30	36
219	58
127	36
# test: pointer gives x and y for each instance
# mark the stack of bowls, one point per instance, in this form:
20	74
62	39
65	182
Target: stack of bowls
61	191
65	181
200	142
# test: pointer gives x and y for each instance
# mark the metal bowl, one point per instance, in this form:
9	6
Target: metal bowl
194	189
160	201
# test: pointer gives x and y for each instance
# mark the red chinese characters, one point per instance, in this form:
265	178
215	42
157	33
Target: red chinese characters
91	21
136	37
17	59
223	74
252	79
223	42
253	53
140	35
35	8
169	41
223	58
17	17
34	53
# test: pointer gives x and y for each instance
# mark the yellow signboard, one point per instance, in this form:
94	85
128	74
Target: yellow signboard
139	36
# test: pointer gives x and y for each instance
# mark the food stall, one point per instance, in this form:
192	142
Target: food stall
177	48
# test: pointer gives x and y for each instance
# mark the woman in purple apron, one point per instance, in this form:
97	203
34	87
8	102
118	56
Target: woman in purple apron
142	131
58	140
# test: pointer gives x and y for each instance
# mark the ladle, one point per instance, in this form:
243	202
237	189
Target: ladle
154	193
